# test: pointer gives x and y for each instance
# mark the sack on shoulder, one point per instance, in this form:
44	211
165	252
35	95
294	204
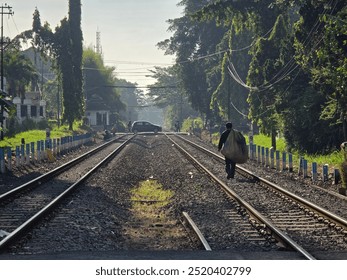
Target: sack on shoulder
235	147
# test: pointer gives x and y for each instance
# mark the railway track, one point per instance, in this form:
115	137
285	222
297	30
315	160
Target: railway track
102	217
22	207
306	223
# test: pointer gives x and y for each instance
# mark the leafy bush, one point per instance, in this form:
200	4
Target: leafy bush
28	124
192	123
13	126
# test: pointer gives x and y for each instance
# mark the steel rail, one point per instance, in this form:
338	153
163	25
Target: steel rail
197	231
324	212
49	207
278	234
44	177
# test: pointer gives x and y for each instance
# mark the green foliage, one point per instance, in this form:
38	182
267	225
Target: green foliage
324	57
39	133
298	68
191	41
66	47
230	97
333	158
129	95
165	91
192	124
26	125
18	70
167	94
265	141
33	136
269	56
99	82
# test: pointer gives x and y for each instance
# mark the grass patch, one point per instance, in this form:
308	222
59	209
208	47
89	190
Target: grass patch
149	197
333	159
36	135
150	220
265	141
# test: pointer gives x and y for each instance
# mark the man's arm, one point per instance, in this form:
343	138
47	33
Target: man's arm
222	139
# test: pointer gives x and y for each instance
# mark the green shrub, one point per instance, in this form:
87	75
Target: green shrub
13	126
28	124
192	123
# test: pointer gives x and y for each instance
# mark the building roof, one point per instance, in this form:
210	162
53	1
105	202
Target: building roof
96	103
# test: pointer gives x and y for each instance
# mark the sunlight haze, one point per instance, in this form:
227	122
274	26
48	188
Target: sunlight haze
129	30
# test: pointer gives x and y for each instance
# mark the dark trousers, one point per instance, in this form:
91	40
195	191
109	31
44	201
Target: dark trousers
230	167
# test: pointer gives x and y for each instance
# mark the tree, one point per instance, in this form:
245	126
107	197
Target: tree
167	93
76	39
192	43
19	71
65	45
321	50
129	95
267	78
100	81
244	19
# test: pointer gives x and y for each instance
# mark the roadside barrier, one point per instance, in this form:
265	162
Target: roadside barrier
270	158
49	149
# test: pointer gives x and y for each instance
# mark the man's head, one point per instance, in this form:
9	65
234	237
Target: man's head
229	125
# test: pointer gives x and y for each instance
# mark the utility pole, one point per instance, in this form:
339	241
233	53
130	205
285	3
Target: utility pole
5	10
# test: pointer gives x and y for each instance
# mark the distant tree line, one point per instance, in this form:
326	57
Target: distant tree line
279	64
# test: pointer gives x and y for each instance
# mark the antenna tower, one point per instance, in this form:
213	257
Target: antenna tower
98	48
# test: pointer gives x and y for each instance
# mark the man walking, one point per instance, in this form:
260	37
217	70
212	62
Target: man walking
229	164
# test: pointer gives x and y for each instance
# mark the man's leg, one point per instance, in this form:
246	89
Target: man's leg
232	169
228	168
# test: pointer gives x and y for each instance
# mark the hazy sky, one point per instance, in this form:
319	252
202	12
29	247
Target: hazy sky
129	29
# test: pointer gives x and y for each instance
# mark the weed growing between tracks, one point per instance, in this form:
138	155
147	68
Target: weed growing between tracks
149	197
151	222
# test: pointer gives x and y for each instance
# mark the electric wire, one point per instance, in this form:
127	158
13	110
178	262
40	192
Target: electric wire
291	65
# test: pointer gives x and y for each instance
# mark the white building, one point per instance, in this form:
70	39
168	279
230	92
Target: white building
97	113
31	107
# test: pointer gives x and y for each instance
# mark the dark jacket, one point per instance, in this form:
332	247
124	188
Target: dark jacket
223	138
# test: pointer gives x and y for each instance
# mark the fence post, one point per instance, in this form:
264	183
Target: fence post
54	147
2	160
38	143
272	158
278	161
262	156
337	176
43	152
305	168
254	151
32	145
58	146
284	161
22	154
27	149
9	158
325	172
301	159
314	171
17	156
290	159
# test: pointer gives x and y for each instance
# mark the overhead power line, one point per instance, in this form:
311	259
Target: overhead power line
146	87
